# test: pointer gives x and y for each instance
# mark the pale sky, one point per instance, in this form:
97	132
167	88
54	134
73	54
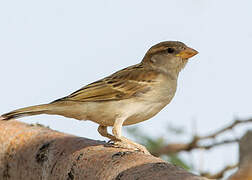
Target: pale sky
48	49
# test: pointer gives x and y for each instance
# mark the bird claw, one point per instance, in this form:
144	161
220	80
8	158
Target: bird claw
110	142
128	145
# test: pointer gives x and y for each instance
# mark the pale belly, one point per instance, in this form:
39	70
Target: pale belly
143	112
107	112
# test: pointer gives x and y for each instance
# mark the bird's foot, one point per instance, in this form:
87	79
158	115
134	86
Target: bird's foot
128	144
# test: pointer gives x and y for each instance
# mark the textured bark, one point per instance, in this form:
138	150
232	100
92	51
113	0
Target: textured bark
36	152
245	161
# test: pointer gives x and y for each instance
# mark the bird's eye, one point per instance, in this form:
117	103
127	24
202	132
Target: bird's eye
170	50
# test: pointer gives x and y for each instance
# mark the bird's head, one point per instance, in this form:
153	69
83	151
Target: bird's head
169	56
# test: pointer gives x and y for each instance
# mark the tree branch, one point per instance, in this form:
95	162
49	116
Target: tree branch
195	143
35	152
219	174
245	162
229	127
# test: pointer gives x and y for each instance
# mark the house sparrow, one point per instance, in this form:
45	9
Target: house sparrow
129	96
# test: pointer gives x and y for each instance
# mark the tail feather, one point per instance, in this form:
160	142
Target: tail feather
28	111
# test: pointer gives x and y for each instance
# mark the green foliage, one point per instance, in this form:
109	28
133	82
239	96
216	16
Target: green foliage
150	143
178	161
153	144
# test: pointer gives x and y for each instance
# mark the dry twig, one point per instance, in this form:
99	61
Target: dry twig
195	143
219	174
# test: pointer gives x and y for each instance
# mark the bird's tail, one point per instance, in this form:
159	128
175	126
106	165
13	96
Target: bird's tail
27	111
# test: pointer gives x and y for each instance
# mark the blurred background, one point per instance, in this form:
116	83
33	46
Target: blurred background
48	49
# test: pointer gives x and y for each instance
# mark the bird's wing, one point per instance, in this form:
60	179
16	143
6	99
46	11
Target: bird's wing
124	84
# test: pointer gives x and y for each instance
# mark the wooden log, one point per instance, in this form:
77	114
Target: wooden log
34	152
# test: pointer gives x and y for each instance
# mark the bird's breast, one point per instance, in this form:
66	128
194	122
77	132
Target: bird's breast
143	111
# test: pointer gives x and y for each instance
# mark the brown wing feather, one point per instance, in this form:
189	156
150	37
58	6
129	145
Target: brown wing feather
123	84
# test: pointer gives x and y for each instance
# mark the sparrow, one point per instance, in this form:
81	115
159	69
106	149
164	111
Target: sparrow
127	97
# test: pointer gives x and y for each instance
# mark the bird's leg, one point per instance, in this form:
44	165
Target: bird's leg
117	128
123	142
104	132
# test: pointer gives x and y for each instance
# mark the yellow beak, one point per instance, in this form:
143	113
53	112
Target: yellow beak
187	53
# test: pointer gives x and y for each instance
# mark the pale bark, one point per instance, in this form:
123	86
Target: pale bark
245	162
39	153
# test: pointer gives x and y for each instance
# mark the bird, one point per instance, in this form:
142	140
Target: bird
128	96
